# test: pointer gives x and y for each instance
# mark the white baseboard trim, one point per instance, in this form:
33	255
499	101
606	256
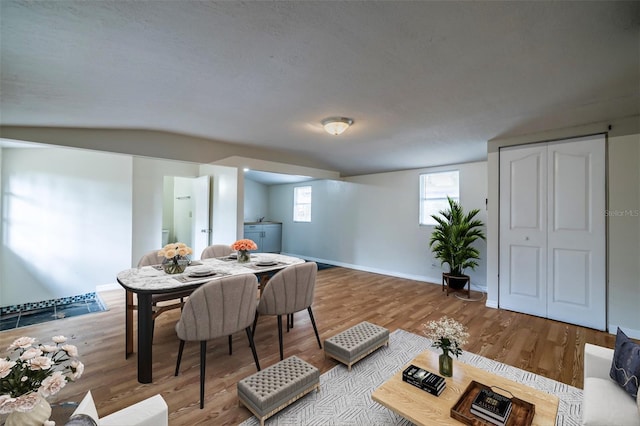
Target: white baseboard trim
422	278
108	287
491	304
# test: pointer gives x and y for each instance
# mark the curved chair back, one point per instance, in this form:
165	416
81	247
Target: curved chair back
290	290
219	308
150	258
216	250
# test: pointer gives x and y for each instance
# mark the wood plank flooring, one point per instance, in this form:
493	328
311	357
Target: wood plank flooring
343	298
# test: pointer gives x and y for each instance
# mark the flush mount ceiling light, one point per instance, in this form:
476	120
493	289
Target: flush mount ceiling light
336	125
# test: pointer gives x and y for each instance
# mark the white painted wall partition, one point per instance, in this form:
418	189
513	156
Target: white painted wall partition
66	222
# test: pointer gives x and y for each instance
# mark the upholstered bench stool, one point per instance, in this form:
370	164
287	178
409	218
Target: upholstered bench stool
274	388
356	342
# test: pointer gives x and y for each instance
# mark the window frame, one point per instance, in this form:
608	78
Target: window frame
424	213
297	204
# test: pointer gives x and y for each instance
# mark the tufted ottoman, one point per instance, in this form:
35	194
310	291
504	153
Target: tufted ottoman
272	389
356	342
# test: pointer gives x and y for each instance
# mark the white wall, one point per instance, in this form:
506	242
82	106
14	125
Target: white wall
256	201
66	222
371	222
148	202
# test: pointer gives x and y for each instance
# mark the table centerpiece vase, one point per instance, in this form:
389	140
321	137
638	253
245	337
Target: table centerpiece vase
39	414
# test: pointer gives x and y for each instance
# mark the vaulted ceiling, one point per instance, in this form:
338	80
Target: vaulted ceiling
427	83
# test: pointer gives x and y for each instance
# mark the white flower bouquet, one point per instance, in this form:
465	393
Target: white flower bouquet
447	334
32	370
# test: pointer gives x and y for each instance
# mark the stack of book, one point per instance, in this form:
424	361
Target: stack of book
492	407
424	380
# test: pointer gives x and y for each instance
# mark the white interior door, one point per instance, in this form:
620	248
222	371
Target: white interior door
523	229
576	250
201	225
552	230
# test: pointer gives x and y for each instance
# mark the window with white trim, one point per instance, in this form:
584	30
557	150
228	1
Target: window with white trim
434	190
302	204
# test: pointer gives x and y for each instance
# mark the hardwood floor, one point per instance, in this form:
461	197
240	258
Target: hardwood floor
343	298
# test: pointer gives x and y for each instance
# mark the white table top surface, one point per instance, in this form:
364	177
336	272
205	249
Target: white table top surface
151	279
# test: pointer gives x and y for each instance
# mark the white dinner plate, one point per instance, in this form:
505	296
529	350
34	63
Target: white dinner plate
201	271
267	263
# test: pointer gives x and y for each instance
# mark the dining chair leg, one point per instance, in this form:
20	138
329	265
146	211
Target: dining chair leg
313	322
280	336
289	322
253	347
179	357
230	347
255	323
203	361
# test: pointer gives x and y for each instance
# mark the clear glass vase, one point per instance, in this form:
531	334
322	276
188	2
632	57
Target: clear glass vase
39	414
243	256
175	266
446	365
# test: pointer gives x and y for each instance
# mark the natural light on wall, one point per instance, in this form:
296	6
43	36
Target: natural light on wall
434	189
66	222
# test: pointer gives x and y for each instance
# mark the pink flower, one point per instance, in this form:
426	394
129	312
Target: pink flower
71	350
40	363
30	354
59	339
78	368
5	368
22	343
52	384
48	348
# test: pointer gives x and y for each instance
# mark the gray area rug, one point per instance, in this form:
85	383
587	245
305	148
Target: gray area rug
345	398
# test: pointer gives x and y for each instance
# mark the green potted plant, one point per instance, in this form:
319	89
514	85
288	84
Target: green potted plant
452	241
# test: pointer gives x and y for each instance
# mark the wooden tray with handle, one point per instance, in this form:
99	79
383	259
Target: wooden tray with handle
521	414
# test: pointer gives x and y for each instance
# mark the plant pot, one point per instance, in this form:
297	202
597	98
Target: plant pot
35	417
456	282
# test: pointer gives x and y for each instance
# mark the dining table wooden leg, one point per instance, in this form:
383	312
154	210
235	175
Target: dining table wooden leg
128	323
145	334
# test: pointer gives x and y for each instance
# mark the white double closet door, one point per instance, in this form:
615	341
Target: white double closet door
552	230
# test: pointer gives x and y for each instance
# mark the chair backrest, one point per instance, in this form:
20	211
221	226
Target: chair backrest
219	308
216	250
150	258
290	290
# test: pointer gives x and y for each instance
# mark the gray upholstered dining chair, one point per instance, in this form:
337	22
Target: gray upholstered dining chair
215	309
216	250
289	291
152	258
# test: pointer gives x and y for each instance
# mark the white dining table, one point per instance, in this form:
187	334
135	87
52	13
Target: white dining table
148	280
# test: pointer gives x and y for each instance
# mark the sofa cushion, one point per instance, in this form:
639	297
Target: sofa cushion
600	395
625	368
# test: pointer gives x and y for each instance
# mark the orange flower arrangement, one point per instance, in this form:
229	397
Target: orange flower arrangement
244	245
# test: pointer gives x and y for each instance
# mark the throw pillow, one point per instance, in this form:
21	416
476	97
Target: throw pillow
625	368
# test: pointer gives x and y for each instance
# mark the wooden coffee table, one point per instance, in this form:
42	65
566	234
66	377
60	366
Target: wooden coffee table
423	408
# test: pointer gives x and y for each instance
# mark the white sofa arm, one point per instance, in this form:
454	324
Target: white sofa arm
597	361
150	412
